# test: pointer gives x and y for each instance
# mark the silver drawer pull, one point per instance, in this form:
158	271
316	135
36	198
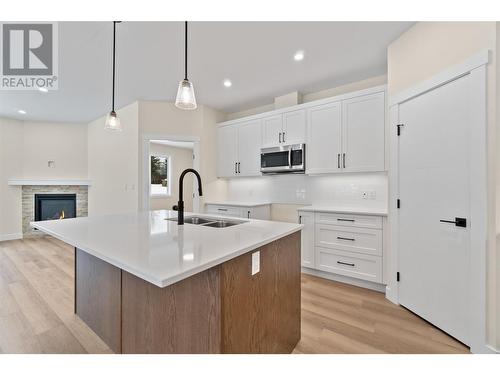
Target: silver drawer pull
222	209
351	220
345	238
346	264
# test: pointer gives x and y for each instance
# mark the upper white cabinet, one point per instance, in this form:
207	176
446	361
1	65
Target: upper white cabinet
227	151
286	128
324	139
347	136
272	128
342	134
363	126
238	149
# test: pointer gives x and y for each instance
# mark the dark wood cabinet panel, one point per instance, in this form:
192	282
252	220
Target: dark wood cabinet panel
261	312
181	318
98	297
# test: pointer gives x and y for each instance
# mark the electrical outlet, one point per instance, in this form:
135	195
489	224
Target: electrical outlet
364	195
255	262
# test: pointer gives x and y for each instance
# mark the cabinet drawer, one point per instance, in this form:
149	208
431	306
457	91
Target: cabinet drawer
360	266
224	210
359	240
363	221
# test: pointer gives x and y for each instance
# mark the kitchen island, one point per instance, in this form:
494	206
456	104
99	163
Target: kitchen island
145	284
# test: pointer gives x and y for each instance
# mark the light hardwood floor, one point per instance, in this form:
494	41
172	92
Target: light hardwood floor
36	311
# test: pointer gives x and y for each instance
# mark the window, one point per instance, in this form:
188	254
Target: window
159	175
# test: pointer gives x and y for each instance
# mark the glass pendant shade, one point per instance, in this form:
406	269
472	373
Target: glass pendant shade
113	122
185	95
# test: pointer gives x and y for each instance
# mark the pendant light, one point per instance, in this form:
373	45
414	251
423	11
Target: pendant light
112	120
185	93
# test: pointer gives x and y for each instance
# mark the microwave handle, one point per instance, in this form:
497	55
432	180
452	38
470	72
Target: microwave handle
290	158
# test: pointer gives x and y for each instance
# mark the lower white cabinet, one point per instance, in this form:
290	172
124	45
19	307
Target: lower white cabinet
307	237
261	211
343	244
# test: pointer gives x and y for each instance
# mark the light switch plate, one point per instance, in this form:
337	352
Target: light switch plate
255	262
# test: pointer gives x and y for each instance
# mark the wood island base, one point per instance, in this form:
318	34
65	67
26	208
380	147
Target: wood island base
224	309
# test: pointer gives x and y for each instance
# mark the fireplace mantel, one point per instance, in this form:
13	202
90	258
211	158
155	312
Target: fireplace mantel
47	182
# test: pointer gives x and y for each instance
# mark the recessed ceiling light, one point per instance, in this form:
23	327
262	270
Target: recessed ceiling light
21	111
299	56
43	89
227	83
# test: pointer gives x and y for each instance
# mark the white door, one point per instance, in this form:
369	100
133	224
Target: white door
249	138
363	127
227	151
272	129
323	149
434	186
307	239
294	127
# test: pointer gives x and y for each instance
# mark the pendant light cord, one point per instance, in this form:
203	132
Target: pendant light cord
114	53
186	50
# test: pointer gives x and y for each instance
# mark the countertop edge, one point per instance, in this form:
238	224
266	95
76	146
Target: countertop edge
239	204
180	276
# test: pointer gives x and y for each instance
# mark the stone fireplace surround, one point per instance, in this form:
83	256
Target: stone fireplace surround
28	202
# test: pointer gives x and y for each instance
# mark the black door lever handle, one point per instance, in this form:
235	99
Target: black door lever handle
459	222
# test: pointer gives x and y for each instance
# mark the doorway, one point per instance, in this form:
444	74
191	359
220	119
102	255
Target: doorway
164	159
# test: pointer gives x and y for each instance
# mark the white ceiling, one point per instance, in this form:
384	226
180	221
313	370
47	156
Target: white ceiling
256	56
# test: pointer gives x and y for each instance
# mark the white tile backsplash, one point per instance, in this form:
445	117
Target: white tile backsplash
339	190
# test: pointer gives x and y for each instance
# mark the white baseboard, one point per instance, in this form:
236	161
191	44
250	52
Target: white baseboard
345	279
10	237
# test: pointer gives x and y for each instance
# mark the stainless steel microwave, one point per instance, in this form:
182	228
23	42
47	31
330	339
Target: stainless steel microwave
283	159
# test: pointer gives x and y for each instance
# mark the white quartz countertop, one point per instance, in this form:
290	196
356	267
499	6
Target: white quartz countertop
345	210
158	250
238	203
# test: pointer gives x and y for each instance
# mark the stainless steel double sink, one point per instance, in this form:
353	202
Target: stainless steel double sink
213	222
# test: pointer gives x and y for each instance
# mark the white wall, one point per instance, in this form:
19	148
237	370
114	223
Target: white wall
180	159
11	140
162	118
113	164
25	149
428	48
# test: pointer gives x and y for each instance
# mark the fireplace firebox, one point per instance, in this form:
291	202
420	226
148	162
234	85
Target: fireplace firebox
54	206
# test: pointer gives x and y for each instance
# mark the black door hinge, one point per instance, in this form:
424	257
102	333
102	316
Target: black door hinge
399	128
398	203
397	276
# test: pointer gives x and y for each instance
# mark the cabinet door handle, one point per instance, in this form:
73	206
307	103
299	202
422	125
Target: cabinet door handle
346	264
222	209
345	238
235	167
351	220
248	214
338	161
279	137
343	157
239	167
300	219
283	137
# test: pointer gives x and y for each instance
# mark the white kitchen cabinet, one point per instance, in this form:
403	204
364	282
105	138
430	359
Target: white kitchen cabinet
324	139
238	149
294	127
347	245
272	128
249	137
246	211
227	151
363	123
284	129
307	238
